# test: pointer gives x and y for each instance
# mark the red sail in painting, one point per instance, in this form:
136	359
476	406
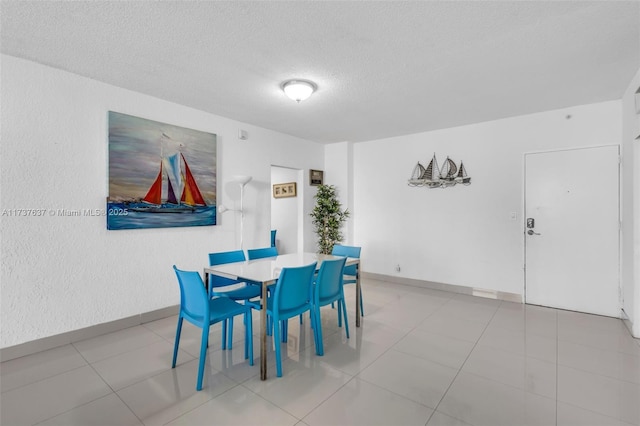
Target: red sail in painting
191	195
154	196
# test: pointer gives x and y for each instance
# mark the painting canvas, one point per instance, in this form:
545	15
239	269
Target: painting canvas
160	175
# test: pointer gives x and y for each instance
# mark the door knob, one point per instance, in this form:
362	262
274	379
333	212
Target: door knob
532	232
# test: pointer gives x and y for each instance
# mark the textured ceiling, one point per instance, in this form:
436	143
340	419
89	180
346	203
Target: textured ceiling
382	68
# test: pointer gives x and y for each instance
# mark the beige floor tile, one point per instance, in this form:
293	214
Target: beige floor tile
362	403
32	368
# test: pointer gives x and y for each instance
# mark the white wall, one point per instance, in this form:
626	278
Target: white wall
631	205
338	172
462	235
65	273
286	213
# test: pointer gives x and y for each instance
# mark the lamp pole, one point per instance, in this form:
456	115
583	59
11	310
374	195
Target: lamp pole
242	181
242	214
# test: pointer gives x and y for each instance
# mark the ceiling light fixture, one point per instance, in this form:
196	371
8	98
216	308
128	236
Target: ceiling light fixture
298	90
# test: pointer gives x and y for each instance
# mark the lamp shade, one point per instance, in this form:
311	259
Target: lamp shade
242	180
298	90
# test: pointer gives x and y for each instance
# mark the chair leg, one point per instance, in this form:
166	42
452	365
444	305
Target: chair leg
248	337
177	342
361	304
317	331
224	334
244	317
203	355
285	330
339	313
276	341
230	333
246	334
314	320
344	313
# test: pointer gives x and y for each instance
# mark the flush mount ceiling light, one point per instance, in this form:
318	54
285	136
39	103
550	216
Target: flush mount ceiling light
298	90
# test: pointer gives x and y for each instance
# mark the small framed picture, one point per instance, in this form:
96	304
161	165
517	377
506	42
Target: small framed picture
316	177
283	190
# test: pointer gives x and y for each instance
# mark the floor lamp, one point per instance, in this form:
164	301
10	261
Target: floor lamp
242	181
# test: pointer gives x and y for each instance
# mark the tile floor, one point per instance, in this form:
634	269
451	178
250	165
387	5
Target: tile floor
421	357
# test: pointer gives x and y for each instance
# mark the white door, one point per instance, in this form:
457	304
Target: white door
572	248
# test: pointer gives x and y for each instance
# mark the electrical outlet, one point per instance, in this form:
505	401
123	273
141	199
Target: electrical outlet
397	268
513	216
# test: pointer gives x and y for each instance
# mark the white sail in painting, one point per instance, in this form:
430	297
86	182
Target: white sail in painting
172	166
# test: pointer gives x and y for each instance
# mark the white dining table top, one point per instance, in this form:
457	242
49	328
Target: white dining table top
267	270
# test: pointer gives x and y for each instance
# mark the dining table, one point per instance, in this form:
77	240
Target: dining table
265	272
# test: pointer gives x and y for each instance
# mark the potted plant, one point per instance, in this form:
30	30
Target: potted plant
328	218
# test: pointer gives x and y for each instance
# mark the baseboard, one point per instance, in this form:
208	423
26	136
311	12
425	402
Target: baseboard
471	291
627	322
62	339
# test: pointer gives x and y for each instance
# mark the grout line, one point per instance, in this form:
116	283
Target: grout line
465	361
205	402
52	376
415	328
357	375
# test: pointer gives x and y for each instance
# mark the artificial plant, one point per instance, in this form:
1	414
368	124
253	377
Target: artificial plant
328	218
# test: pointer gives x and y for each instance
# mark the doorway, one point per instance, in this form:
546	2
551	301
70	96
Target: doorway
572	241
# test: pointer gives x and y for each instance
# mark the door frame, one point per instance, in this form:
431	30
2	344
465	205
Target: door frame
523	221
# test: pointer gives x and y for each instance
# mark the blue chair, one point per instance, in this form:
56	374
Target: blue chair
351	272
273	237
291	297
326	290
201	311
260	253
217	284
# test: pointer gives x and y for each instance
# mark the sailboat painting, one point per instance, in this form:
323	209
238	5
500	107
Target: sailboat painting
160	175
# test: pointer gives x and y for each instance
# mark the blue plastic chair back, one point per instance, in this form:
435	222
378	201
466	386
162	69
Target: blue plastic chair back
222	258
273	237
260	253
291	297
328	286
328	289
348	251
293	291
193	296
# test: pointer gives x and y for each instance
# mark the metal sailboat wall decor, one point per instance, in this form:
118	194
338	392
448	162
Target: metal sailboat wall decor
434	177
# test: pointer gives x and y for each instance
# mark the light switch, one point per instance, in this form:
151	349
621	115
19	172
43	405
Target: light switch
513	216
